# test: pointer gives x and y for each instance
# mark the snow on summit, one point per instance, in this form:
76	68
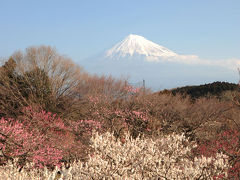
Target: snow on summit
134	45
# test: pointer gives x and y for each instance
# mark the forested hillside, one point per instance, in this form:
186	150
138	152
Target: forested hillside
212	89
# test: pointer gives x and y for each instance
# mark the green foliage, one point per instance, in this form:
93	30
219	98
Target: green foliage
9	96
19	90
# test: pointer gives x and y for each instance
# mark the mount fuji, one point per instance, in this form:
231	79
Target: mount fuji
138	47
135	45
138	58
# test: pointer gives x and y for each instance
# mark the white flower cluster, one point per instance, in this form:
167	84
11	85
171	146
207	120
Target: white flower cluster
165	158
168	157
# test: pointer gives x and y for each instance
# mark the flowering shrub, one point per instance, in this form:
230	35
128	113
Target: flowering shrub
39	137
17	141
118	118
168	157
227	142
164	158
71	137
132	90
12	171
86	126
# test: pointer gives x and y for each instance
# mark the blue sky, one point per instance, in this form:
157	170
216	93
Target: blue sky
80	29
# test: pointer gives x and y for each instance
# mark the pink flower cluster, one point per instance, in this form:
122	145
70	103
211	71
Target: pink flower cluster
18	141
132	90
43	119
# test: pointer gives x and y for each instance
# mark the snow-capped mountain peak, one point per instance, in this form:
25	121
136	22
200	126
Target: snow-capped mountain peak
135	45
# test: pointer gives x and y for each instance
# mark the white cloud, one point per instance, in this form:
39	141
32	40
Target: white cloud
232	64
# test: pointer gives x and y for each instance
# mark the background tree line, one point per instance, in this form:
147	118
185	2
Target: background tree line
206	90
